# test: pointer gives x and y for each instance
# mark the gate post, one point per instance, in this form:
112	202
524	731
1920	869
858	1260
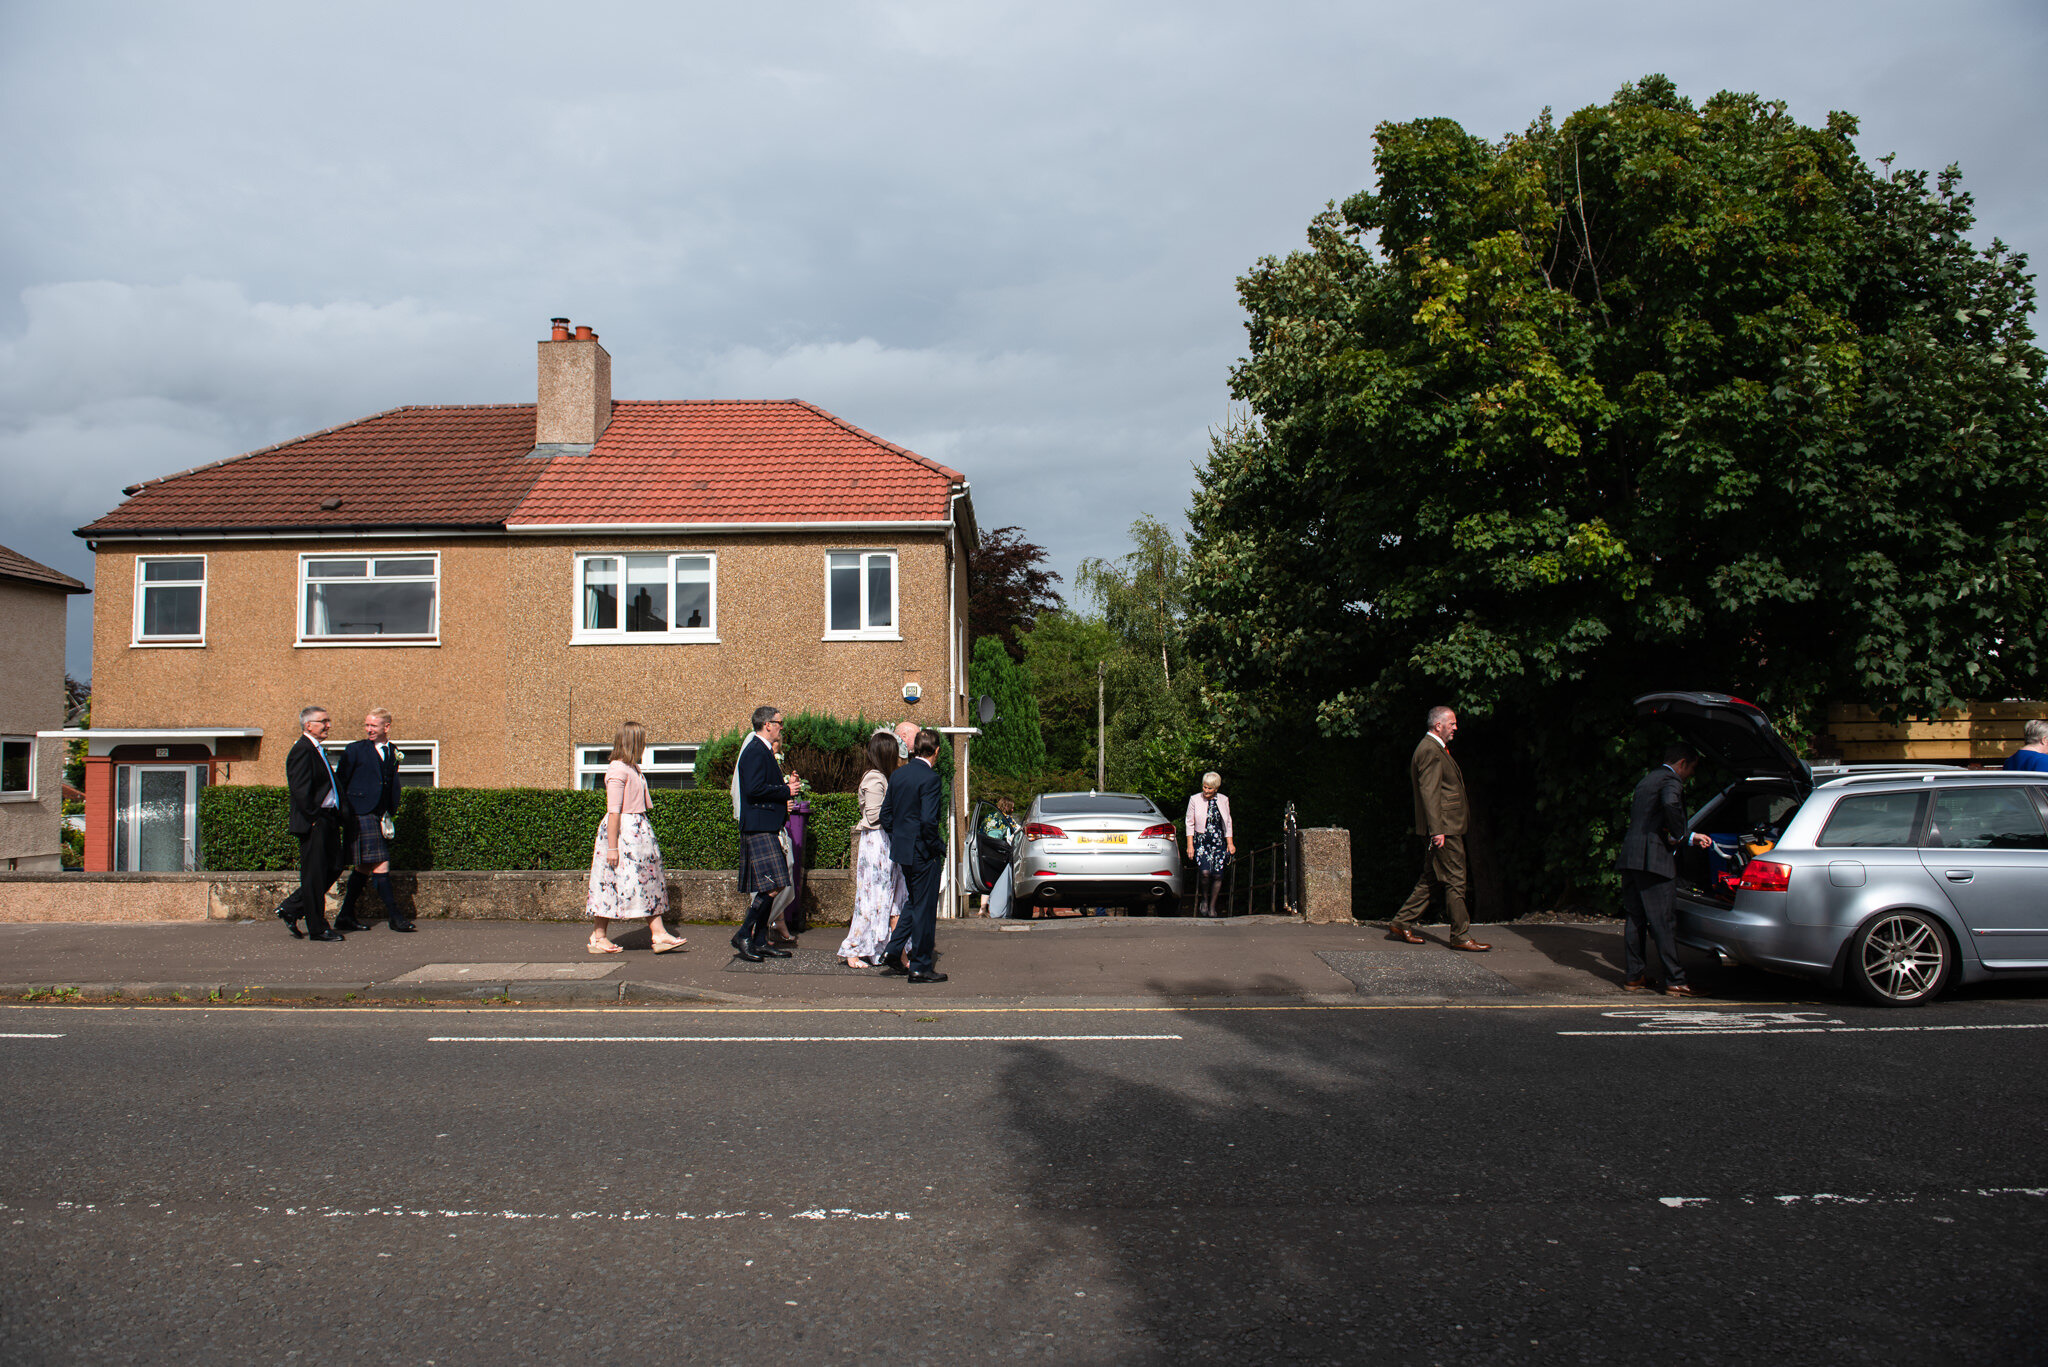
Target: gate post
1326	875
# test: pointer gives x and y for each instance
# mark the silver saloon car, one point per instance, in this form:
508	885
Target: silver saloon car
1097	849
1898	881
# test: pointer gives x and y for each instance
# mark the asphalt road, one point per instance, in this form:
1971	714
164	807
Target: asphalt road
1428	1185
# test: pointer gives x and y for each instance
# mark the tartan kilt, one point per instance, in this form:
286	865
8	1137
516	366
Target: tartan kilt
762	866
366	843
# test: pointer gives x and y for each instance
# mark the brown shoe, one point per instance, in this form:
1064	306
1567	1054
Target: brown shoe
1470	946
1678	990
1397	931
1637	985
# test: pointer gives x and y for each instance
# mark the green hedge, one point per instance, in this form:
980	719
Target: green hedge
511	828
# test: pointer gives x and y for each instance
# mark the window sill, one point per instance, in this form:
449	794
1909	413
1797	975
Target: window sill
860	636
18	797
371	642
645	638
167	645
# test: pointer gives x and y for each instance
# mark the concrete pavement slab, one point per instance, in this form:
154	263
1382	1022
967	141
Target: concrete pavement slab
1393	973
456	973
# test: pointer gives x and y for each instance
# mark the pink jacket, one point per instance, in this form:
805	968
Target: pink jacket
1198	815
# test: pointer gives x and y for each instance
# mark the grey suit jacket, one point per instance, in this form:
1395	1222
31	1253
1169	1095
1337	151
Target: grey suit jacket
1656	825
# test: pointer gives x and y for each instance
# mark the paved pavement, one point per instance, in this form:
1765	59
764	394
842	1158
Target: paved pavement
1102	961
1501	1181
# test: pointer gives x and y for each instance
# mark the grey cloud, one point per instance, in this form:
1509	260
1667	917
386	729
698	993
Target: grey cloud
1003	234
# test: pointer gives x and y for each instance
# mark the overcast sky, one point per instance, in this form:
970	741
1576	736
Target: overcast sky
1004	235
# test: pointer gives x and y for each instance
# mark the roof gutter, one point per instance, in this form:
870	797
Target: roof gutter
555	528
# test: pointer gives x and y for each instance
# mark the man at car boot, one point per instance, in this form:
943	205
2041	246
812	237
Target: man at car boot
1649	871
1440	816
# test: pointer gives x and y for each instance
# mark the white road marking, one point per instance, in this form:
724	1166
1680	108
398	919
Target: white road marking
21	1036
1805	1030
421	1212
1831	1198
784	1039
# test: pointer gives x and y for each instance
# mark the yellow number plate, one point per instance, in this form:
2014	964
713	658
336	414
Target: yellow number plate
1102	840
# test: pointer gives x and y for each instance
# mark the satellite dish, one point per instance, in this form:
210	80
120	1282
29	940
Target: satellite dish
985	708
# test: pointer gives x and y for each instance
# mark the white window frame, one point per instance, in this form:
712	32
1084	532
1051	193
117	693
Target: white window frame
30	795
580	635
891	632
333	748
590	761
136	640
305	642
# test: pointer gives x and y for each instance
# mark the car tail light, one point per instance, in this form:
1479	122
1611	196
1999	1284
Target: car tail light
1040	831
1160	873
1163	831
1763	875
1045	873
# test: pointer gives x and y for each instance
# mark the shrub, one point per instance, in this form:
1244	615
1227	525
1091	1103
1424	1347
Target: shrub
244	827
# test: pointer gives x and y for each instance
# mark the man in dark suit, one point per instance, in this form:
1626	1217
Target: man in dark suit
368	774
911	816
761	805
315	820
1440	819
1649	872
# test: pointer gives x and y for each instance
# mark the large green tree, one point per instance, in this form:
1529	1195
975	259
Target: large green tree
1663	395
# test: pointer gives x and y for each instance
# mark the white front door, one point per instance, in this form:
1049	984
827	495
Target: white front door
156	817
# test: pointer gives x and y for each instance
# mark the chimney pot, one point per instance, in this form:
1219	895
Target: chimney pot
584	334
561	327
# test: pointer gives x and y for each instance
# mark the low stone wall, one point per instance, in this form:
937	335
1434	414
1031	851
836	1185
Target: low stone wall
694	895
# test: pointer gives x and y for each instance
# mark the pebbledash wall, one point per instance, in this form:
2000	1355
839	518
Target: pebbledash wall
504	693
32	700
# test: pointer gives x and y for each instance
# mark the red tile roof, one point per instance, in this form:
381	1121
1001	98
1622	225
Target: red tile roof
469	467
724	461
412	467
15	565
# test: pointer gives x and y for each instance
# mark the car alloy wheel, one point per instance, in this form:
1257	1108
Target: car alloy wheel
1901	958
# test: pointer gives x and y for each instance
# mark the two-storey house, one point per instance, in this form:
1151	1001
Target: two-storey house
512	581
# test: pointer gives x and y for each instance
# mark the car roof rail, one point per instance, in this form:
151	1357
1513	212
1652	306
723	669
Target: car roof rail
1929	773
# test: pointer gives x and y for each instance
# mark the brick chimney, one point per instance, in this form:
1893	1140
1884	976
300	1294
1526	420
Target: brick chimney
575	388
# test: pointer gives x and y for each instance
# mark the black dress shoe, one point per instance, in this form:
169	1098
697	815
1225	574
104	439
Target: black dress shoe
741	951
403	925
350	925
324	935
771	952
291	923
927	977
893	967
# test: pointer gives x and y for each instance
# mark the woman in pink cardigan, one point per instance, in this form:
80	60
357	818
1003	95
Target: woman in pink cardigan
1211	842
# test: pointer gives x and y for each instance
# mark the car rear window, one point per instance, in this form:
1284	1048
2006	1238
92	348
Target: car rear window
1873	819
1985	819
1097	804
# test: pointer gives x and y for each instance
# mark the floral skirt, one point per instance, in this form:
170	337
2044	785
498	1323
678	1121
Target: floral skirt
878	893
637	888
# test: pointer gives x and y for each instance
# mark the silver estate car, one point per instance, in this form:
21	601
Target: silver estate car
1097	849
1898	880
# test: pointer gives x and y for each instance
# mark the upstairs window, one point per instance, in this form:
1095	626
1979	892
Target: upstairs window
646	598
663	766
860	595
170	600
395	599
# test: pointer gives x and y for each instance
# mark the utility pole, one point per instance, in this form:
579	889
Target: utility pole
1100	733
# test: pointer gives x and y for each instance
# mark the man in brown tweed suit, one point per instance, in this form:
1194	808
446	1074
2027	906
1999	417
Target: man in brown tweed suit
1440	817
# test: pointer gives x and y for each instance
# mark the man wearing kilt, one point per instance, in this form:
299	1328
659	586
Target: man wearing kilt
368	776
761	803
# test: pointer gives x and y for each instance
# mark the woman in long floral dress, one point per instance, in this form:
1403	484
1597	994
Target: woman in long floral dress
878	888
626	878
